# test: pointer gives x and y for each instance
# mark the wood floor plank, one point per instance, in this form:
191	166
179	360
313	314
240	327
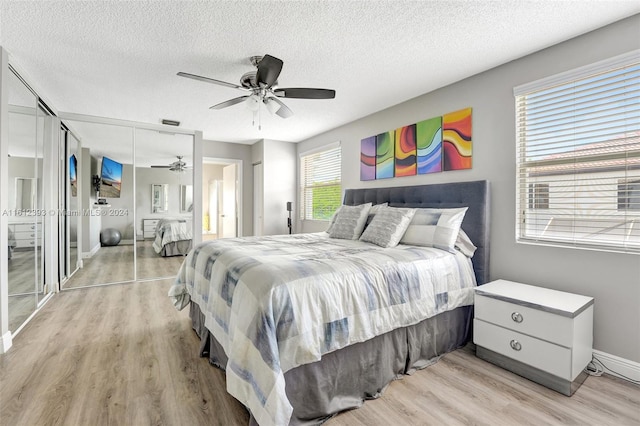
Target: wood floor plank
122	355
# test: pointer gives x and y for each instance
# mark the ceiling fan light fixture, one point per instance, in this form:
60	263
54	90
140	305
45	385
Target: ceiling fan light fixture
271	105
253	102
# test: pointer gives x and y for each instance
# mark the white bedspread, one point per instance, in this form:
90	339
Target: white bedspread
278	302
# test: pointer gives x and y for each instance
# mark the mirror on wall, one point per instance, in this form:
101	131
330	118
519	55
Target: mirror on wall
164	223
186	198
26	193
159	198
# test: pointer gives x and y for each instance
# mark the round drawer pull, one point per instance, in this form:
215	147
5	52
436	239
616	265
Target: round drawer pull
515	345
516	316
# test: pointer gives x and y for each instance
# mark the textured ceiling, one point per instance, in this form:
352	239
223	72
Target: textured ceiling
120	59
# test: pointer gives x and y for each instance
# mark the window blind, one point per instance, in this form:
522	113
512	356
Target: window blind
578	157
320	183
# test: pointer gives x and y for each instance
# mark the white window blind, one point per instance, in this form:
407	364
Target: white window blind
578	157
320	183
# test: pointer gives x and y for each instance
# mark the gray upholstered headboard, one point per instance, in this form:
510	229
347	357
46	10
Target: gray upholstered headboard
474	195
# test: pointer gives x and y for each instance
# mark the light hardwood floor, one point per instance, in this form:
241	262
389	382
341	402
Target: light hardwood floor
122	355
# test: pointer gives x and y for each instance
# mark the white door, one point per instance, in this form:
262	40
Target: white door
258	193
228	210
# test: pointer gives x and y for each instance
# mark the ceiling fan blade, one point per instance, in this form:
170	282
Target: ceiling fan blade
210	80
160	167
305	93
269	69
284	110
230	102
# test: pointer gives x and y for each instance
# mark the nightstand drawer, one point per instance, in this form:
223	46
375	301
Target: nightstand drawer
546	356
533	322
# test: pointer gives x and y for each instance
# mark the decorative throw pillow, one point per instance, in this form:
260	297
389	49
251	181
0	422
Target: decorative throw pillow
350	222
372	212
388	226
464	244
333	220
435	228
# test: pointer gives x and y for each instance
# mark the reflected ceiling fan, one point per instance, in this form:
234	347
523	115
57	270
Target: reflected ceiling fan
261	87
177	166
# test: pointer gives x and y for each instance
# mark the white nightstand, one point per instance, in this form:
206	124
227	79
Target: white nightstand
149	228
541	334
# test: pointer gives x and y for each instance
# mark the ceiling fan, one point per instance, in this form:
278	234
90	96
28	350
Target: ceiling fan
177	166
261	87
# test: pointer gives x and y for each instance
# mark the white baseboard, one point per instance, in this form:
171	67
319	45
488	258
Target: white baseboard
6	342
620	366
94	250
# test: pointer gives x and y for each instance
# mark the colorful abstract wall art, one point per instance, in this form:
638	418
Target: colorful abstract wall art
456	140
405	151
429	144
368	158
384	155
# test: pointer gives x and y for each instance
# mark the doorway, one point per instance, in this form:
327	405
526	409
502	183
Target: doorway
221	206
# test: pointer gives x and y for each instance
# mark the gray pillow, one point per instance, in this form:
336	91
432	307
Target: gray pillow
388	226
350	222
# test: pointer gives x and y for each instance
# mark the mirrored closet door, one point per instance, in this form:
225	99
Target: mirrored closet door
164	202
30	127
105	230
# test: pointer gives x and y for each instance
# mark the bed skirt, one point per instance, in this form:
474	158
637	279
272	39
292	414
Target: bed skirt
343	379
176	248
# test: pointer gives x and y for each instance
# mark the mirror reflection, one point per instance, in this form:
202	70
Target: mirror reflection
105	203
164	163
186	198
159	198
26	127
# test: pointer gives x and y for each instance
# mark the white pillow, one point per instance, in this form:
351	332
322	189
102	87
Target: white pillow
435	228
350	222
464	244
388	226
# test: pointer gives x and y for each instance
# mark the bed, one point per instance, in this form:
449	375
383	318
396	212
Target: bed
173	237
291	362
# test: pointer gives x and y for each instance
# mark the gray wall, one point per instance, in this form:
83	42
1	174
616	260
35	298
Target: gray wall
233	151
145	177
91	224
612	278
120	215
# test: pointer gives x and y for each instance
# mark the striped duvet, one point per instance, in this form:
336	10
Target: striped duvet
278	302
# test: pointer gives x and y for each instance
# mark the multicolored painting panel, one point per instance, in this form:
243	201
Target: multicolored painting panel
456	140
368	158
384	155
429	144
405	146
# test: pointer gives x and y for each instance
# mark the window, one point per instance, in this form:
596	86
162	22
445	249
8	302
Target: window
320	183
578	157
538	196
629	195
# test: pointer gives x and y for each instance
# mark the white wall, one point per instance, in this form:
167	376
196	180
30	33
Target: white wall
612	278
120	213
279	160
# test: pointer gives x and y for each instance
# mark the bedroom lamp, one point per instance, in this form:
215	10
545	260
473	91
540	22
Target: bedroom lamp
289	209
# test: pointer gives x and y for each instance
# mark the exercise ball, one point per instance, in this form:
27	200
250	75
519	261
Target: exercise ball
110	237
